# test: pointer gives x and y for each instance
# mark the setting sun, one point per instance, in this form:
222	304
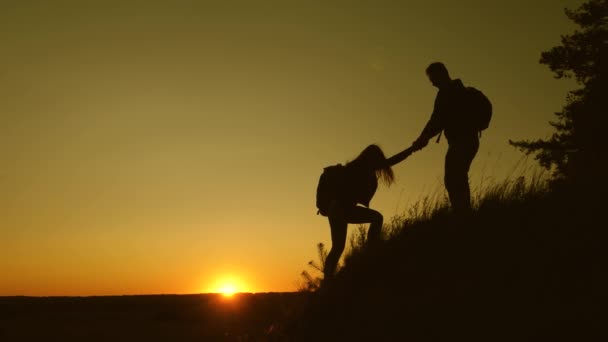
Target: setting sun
227	290
228	286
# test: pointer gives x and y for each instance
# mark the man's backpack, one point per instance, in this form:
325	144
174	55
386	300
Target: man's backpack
480	108
329	187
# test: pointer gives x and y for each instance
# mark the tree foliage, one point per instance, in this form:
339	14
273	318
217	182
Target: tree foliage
575	151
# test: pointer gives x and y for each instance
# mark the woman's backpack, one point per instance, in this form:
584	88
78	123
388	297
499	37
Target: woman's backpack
329	187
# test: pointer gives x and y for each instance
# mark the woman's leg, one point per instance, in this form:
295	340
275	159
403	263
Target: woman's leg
339	218
338	226
358	214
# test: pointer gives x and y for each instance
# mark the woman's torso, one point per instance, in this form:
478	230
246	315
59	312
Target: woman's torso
359	186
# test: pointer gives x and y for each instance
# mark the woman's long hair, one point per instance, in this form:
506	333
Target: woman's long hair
373	158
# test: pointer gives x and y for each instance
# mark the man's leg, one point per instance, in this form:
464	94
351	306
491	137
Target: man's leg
457	164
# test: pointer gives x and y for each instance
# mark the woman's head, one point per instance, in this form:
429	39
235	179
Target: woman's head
373	158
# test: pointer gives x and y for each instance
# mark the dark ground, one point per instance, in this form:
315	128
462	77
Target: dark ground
203	317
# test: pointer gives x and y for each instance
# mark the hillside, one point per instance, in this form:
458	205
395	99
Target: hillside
529	264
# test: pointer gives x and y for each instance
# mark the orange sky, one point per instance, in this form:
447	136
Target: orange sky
162	147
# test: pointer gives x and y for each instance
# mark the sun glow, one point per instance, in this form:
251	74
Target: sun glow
228	286
227	290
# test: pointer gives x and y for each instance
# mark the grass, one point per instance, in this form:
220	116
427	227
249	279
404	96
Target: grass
528	264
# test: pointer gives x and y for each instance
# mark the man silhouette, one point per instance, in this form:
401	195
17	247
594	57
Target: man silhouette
450	116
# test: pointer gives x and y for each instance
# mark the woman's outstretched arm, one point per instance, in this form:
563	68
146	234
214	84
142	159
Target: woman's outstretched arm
399	157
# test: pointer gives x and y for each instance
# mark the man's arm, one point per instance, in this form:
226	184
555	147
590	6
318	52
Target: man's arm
433	127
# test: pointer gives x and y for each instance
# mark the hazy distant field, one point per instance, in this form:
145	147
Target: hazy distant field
204	317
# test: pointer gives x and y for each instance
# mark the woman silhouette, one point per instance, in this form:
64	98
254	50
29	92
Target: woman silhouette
357	182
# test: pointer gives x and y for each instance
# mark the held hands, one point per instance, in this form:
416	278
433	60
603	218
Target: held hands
401	156
420	143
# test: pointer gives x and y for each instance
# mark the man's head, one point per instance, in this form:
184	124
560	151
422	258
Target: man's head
438	75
